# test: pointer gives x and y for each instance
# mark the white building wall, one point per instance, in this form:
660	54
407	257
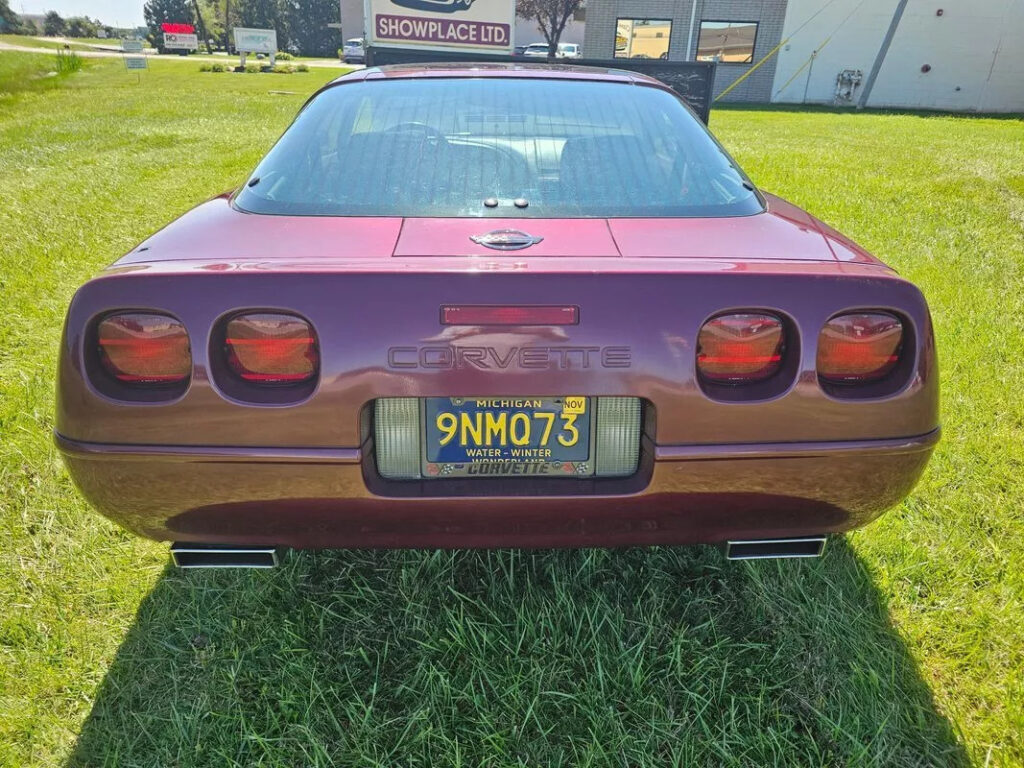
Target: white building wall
974	51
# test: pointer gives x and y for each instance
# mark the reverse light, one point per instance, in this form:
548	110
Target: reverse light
617	452
270	348
740	348
859	347
144	348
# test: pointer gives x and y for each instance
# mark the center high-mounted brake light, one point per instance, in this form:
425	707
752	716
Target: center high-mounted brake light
144	348
269	348
740	348
509	315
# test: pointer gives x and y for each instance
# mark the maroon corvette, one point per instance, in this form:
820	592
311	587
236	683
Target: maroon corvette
495	305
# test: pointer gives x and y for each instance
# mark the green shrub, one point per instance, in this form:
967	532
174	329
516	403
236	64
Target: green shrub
68	61
341	53
252	67
284	56
302	68
217	67
284	69
205	68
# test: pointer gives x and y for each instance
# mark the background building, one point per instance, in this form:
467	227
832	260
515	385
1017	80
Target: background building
958	55
525	32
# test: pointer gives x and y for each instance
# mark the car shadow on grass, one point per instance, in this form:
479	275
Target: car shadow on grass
668	656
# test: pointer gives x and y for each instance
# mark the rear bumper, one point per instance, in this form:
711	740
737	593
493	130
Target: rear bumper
326	497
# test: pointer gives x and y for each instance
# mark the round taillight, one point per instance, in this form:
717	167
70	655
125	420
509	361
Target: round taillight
269	348
144	348
740	348
859	347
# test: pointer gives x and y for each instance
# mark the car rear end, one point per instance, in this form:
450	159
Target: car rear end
353	51
686	441
506	378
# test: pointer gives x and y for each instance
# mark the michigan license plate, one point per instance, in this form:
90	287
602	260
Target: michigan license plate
508	437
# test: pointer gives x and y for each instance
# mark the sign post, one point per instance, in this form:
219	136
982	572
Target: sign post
135	62
256	41
441	25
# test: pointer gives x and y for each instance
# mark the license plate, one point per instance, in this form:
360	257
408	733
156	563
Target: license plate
508	437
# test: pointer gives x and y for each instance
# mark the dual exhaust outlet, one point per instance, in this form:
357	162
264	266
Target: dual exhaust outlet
222	556
226	556
765	549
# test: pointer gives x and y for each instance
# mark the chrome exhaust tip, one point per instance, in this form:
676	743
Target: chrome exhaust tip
764	549
222	556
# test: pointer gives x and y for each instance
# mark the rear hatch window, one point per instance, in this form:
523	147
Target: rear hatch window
498	147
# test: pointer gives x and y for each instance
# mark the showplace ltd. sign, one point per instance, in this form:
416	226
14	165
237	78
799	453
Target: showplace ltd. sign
442	24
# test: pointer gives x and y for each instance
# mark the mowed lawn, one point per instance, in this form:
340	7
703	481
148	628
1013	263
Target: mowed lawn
903	646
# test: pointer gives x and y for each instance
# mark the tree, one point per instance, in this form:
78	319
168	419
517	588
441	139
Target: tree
264	14
54	25
157	12
307	26
10	22
551	17
204	35
213	13
81	26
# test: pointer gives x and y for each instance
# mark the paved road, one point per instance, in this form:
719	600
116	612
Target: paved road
104	53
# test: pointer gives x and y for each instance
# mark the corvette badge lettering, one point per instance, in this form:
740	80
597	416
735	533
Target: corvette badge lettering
492	358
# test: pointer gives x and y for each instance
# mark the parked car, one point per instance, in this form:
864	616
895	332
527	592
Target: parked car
540	51
552	311
353	51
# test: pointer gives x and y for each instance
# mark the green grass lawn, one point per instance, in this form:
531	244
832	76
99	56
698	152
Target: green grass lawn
27	72
903	646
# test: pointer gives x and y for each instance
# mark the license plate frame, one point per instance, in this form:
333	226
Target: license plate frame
452	461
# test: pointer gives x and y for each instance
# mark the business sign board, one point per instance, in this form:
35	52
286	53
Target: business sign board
442	25
181	29
131	46
255	40
135	62
181	40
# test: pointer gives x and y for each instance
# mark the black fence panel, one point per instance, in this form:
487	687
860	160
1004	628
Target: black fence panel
692	80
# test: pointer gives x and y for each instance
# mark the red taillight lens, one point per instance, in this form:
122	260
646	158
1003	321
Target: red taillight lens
740	348
142	348
271	348
860	347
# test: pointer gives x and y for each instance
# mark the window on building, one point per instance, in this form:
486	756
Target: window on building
730	42
642	38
